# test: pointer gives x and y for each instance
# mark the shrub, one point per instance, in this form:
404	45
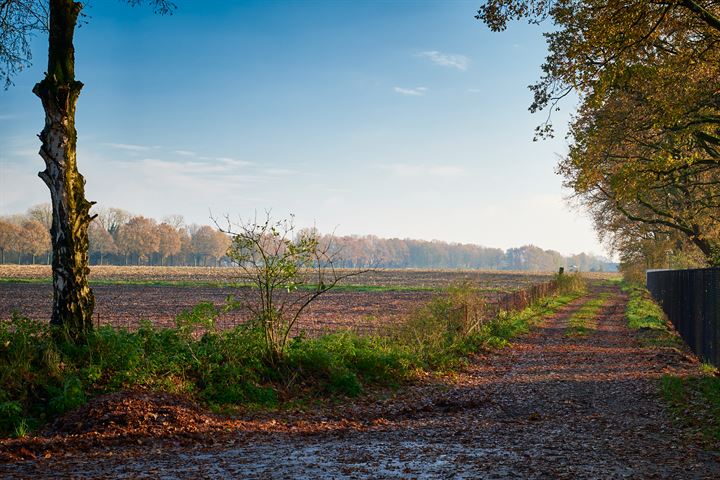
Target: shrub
570	283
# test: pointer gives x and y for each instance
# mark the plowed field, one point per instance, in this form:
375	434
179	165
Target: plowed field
127	295
128	305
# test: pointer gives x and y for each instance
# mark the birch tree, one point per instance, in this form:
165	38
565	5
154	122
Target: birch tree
20	20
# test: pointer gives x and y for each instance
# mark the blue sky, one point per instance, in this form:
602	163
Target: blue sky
394	118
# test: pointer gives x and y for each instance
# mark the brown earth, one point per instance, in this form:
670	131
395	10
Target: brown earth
501	279
550	406
127	305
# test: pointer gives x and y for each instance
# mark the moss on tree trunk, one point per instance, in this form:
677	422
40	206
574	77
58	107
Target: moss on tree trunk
73	300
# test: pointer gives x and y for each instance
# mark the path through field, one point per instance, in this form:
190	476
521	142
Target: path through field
550	406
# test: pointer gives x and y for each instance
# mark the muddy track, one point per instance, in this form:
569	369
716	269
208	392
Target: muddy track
550	406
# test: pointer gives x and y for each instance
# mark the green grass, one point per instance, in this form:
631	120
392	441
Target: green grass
695	403
42	377
584	320
645	315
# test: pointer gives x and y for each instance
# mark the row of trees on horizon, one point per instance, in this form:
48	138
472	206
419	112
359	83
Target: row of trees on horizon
119	238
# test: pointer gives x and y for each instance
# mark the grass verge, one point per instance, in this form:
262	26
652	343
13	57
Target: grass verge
584	320
694	401
43	377
646	316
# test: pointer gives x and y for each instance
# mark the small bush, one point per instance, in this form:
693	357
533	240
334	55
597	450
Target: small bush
343	362
12	417
571	283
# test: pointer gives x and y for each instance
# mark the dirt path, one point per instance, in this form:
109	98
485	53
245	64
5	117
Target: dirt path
551	406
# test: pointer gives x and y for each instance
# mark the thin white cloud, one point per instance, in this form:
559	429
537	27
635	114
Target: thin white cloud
9	116
408	170
231	161
277	171
474	90
412	92
208	175
126	146
460	62
186	153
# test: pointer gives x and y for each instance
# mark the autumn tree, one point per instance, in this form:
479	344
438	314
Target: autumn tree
175	220
208	242
73	300
186	246
35	239
138	237
168	241
645	144
10	235
41	213
101	242
111	219
659	174
222	244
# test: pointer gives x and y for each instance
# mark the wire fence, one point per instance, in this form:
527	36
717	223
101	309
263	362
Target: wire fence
691	300
523	298
472	315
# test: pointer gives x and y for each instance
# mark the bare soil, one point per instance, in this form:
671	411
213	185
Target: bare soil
127	305
503	279
550	406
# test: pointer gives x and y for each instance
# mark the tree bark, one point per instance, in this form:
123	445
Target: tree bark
710	249
73	300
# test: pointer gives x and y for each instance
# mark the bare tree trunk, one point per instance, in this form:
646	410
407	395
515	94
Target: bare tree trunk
73	300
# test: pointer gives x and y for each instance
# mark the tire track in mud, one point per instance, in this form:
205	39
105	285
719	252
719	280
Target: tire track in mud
549	406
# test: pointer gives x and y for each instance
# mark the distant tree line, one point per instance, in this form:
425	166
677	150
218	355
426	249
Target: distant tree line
119	238
369	250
